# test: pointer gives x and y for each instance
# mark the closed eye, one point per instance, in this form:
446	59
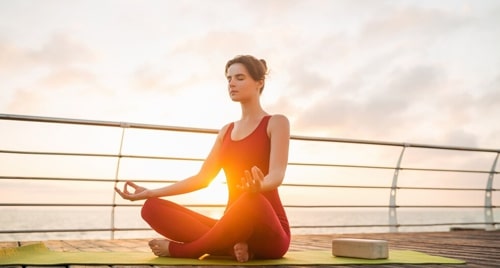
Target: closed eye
238	77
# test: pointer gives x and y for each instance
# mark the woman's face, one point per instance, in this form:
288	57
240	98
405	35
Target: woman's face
241	85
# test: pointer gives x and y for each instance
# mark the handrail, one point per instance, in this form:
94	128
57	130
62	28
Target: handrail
43	119
393	207
201	159
284	184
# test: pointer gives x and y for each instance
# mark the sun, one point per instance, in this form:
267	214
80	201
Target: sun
215	194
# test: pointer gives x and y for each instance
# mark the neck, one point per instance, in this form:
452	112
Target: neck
251	111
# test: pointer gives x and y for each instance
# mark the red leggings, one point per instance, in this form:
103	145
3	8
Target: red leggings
250	219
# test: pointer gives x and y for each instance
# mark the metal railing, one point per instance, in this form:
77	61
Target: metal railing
392	207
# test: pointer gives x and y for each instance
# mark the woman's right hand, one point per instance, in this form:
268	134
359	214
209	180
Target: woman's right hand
138	193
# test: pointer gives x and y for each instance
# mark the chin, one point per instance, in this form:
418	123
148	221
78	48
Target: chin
234	98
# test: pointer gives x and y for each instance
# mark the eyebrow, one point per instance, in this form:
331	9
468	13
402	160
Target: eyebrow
236	75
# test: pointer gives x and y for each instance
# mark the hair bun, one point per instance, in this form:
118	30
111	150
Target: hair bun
264	64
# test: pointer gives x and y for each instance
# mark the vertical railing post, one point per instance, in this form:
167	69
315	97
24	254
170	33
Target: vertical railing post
393	215
117	173
488	202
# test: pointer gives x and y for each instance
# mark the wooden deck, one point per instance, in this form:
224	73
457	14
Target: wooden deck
477	247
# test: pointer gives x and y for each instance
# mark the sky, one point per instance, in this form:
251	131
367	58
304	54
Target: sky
403	71
406	71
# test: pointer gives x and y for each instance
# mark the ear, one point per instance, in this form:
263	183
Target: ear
260	85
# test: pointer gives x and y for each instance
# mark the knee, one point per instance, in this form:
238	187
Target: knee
149	207
253	197
251	200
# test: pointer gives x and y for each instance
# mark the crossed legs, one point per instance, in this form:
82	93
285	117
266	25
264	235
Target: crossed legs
248	228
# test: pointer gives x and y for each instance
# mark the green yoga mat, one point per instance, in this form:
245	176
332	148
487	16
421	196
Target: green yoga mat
39	254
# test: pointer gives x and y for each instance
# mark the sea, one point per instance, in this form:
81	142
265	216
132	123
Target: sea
15	221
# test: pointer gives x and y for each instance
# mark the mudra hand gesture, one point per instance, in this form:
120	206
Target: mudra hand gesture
138	193
252	180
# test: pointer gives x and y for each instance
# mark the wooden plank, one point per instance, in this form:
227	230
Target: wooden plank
89	266
479	248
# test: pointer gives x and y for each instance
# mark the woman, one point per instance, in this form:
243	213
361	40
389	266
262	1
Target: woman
253	152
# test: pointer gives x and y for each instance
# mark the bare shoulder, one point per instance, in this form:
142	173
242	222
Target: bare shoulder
222	132
279	120
278	123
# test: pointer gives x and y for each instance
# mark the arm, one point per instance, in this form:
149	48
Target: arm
279	133
210	168
253	179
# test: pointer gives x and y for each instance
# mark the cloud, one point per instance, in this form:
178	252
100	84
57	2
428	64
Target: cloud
461	137
60	60
405	25
390	80
214	45
194	62
165	78
68	77
354	105
25	102
13	58
378	71
491	95
62	49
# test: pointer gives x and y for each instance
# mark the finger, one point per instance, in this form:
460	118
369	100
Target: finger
132	184
256	181
245	180
243	185
125	189
257	173
120	193
248	177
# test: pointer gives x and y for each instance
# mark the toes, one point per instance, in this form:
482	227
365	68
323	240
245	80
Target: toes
241	252
152	243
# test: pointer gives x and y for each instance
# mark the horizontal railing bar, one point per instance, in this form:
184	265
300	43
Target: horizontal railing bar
440	188
384	187
392	168
399	144
389	225
101	155
42	119
285	184
223	205
57	231
202	159
79	179
125	125
337	165
72	230
57	120
55	179
385	206
57	153
292	226
96	205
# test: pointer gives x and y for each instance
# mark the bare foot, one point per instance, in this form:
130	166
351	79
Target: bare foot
160	247
241	252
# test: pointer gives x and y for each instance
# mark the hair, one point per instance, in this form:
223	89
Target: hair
256	68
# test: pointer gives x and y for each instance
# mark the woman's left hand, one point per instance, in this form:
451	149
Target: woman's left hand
252	180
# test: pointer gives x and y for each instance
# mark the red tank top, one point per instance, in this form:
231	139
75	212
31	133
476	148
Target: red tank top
240	155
